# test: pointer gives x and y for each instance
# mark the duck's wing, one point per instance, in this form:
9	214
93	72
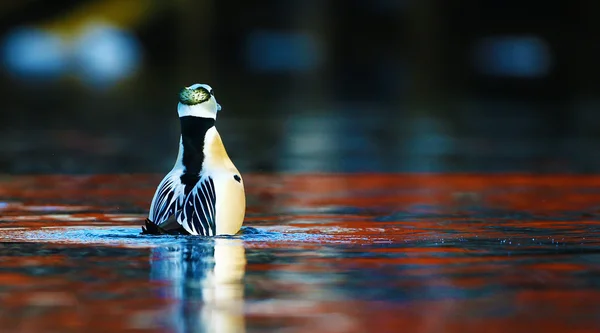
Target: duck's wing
191	206
198	208
165	201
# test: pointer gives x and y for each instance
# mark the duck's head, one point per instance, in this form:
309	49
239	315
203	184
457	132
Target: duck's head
198	100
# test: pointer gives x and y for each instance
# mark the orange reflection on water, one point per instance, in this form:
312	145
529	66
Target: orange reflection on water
328	253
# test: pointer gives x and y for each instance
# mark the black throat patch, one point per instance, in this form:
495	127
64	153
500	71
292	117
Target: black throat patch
193	131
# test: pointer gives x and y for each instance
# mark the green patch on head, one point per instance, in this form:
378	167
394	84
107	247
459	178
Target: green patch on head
189	96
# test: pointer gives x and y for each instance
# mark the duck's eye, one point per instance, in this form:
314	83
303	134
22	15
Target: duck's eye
212	92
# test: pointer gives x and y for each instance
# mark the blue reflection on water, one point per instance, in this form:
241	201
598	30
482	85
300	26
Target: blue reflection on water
130	236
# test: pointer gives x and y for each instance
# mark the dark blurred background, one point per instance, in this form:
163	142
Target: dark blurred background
91	86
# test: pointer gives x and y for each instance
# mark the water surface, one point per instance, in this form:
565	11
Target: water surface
318	253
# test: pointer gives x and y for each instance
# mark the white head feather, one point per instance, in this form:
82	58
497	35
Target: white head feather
198	100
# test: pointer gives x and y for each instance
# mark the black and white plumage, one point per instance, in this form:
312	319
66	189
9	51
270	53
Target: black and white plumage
203	194
193	207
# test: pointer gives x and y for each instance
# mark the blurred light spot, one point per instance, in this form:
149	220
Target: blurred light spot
513	56
280	51
312	143
105	54
29	52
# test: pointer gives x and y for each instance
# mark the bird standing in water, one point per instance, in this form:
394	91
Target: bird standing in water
204	192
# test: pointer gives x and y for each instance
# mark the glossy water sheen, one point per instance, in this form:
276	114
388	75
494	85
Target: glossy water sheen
347	253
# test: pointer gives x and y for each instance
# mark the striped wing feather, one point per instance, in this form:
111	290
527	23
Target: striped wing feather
197	211
194	211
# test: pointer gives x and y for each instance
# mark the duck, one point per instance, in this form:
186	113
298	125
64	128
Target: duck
203	194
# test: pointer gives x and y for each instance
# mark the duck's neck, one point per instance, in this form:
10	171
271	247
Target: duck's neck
191	152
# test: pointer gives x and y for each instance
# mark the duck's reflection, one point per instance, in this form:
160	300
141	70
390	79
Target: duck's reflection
205	281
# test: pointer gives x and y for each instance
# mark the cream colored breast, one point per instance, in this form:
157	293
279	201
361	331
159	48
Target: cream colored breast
231	199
